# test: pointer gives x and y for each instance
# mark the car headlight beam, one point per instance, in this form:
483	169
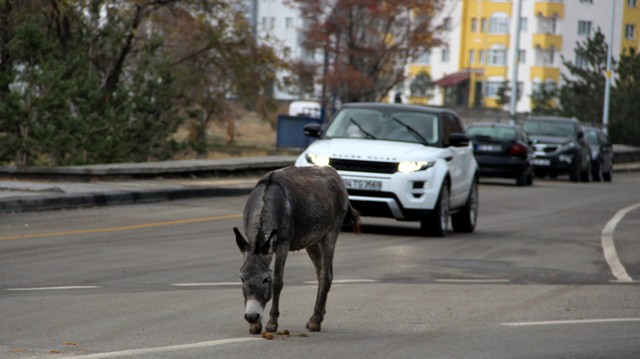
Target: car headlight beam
414	166
317	159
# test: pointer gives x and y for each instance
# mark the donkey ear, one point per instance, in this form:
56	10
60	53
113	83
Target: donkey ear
241	241
269	247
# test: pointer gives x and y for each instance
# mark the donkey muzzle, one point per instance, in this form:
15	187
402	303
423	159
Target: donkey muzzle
253	311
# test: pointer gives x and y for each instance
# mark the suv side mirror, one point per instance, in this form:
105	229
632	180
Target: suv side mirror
312	129
580	135
458	140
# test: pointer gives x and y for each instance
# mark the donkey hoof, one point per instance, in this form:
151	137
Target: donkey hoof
272	327
313	327
255	328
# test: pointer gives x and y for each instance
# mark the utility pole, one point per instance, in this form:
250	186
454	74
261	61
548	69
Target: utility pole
607	89
514	68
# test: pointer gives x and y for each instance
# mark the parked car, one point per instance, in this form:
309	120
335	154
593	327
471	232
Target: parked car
560	147
502	150
411	163
601	154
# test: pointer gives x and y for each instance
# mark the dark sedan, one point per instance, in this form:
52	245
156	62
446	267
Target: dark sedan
601	154
502	150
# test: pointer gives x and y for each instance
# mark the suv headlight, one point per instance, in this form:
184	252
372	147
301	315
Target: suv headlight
414	166
317	159
567	147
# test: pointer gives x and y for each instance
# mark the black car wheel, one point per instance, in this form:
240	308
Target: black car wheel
465	220
521	180
574	175
596	171
435	224
585	175
607	176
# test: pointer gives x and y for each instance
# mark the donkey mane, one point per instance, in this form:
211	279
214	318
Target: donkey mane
269	212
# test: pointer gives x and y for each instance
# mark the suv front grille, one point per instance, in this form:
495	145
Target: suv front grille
364	166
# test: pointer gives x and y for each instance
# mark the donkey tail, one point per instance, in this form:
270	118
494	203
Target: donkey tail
352	219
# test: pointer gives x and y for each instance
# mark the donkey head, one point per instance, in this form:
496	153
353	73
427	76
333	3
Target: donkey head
255	275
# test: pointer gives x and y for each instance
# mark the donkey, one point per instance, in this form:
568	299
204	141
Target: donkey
291	209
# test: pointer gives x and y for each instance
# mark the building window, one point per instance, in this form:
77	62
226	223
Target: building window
273	23
445	55
584	28
481	56
446	23
493	88
309	54
499	25
289	23
497	57
474	24
483	25
264	23
586	1
524	24
631	3
581	61
522	56
424	58
548	56
629	31
472	56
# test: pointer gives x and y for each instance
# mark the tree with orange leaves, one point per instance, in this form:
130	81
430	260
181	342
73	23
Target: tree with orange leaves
366	43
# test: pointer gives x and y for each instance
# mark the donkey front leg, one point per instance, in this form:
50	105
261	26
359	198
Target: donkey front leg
321	255
278	284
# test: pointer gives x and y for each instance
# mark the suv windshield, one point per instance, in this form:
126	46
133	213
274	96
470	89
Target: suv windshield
550	128
405	126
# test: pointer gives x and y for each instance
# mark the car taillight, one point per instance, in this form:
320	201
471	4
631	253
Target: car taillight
517	149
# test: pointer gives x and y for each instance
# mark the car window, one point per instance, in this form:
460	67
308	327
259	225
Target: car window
550	128
456	126
404	126
495	133
592	137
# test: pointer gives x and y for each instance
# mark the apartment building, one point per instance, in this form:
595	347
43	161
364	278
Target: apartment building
549	32
476	58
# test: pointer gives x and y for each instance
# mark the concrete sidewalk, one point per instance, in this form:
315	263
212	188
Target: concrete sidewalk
36	189
113	184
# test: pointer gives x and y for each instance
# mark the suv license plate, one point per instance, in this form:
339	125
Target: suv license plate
541	162
363	184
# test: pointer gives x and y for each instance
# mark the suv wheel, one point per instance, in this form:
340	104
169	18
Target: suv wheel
435	224
465	220
596	171
585	176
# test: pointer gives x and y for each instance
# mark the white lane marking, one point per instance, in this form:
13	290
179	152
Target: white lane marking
463	280
70	287
576	321
215	284
135	352
609	248
344	281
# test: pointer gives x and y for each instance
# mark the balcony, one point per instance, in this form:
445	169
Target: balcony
544	73
547	41
550	8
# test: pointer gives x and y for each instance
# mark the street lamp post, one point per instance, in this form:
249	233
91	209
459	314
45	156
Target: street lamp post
607	88
514	68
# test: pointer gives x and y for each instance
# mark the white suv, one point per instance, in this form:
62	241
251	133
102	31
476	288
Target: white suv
411	163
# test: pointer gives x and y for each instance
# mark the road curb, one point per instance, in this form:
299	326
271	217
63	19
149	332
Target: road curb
84	200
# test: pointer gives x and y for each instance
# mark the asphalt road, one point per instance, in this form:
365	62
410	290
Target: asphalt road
160	281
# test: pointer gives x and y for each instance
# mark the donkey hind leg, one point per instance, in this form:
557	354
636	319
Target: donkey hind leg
278	283
321	255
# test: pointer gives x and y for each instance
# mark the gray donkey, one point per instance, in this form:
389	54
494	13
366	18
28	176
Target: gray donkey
291	209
